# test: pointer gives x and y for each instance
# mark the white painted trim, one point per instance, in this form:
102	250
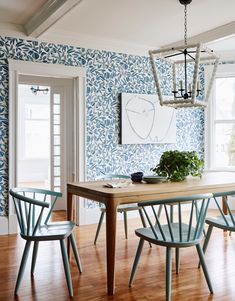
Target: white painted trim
3	225
43	69
51	70
208	118
222	71
13	95
12	224
48	15
80	165
92	215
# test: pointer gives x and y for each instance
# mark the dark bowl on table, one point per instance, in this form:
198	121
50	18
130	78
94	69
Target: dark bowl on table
137	176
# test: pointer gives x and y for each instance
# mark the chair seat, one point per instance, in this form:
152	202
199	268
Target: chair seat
122	208
147	234
52	231
219	222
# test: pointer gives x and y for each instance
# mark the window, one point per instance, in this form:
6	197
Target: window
220	123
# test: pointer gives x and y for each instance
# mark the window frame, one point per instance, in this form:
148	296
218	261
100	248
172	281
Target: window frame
224	70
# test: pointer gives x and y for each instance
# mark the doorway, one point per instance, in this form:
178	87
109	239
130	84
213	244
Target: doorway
43	104
54	124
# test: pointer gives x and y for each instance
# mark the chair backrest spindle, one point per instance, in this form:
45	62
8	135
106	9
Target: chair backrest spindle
169	223
29	220
150	223
190	220
199	219
180	221
158	224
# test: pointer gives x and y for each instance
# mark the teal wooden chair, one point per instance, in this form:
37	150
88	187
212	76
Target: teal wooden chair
35	227
121	209
185	231
222	221
171	208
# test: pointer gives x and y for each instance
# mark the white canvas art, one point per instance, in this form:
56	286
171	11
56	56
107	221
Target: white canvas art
144	121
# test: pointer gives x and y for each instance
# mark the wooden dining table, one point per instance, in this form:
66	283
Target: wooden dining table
210	182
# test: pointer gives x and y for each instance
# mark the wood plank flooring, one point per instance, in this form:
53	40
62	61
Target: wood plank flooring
49	281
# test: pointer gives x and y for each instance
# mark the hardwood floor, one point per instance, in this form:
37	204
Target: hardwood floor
49	280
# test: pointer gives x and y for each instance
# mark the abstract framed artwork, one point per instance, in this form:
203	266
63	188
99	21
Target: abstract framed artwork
144	121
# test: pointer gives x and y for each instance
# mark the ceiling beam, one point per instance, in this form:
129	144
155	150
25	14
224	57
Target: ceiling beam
214	34
47	15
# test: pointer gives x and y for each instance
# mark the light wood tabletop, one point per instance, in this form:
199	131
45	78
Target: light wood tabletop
210	182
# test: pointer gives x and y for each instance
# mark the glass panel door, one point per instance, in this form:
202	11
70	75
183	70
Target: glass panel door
42	122
57	140
33	136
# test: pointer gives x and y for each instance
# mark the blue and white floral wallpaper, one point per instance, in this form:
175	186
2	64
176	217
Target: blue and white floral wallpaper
108	75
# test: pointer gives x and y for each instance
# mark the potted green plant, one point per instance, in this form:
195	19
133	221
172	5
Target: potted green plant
177	165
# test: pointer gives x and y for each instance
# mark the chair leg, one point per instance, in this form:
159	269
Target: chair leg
125	223
206	241
168	274
204	267
35	253
99	226
136	261
75	252
208	235
177	260
66	266
144	222
22	266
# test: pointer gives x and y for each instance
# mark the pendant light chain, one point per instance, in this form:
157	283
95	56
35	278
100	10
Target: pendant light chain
185	24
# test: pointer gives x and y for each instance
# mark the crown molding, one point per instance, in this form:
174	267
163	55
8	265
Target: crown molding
47	15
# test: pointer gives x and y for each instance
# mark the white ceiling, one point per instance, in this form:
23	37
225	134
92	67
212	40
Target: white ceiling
128	23
144	22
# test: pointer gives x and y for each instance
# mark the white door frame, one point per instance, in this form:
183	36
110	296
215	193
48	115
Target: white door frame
78	74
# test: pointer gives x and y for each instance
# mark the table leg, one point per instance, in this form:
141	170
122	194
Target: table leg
224	207
69	217
111	221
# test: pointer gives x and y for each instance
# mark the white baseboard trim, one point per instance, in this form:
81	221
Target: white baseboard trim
12	224
89	216
3	225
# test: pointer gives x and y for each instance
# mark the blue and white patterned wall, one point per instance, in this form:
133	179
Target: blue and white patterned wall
108	75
